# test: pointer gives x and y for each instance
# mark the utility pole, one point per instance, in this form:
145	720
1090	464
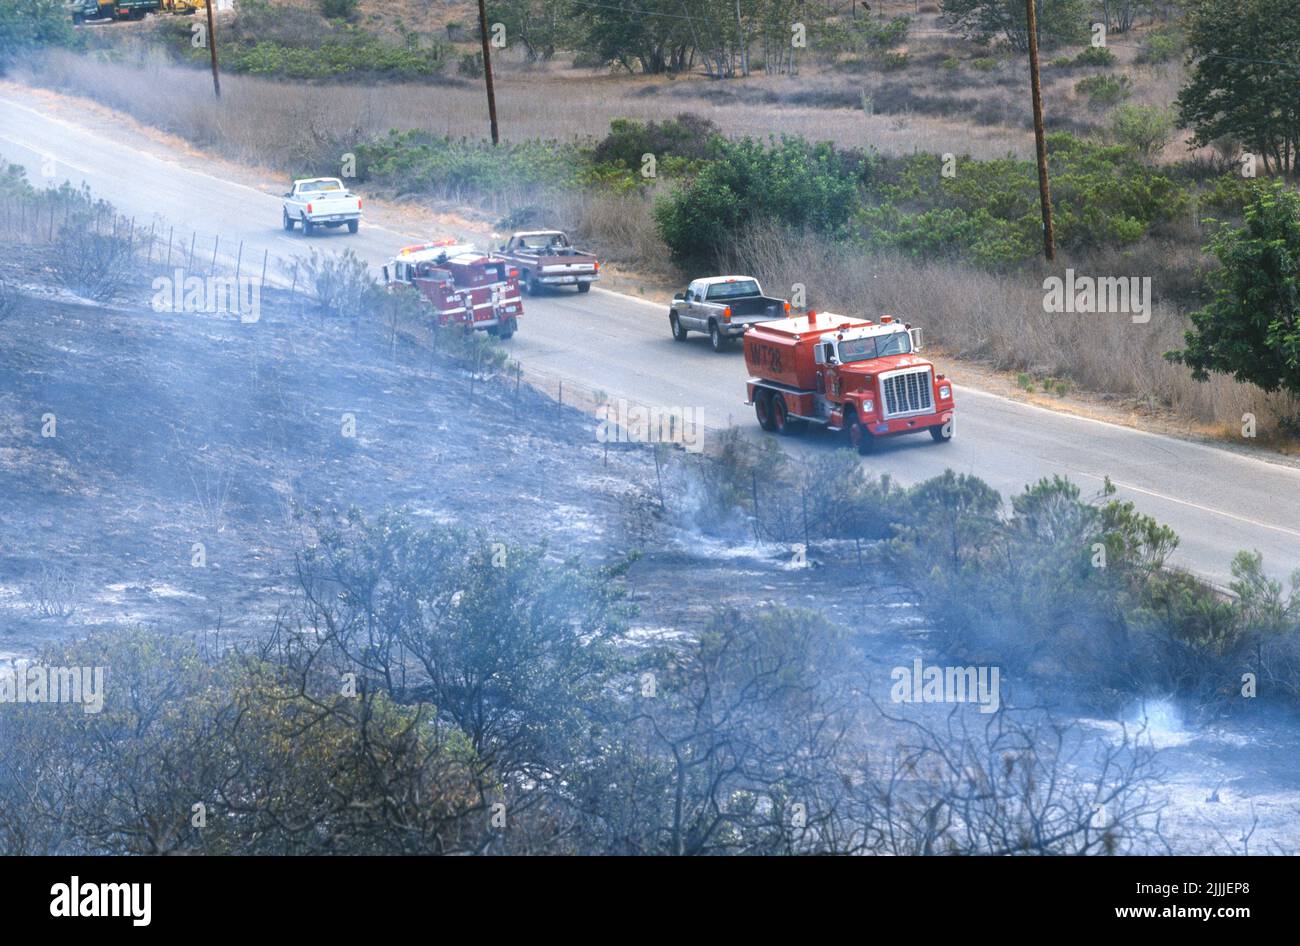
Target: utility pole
487	68
1044	190
212	48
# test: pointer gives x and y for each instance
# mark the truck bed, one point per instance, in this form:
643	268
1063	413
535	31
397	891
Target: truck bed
755	305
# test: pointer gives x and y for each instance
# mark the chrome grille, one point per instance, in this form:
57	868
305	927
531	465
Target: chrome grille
907	393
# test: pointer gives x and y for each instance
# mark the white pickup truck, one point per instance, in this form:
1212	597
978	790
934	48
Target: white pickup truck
321	202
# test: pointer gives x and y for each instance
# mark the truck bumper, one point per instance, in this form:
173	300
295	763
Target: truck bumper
907	425
568	279
482	320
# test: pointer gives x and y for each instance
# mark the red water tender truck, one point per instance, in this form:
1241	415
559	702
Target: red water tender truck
858	376
463	286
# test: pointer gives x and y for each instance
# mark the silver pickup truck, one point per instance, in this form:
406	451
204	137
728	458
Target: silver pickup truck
722	306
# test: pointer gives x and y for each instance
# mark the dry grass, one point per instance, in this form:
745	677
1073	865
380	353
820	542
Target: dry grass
853	102
256	121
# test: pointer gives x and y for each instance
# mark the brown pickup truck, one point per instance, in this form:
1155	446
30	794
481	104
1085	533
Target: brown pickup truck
547	258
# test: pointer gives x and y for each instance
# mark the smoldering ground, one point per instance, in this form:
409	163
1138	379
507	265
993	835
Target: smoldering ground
194	460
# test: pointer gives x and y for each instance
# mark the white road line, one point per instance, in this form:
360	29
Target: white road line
1198	506
1216	451
34	149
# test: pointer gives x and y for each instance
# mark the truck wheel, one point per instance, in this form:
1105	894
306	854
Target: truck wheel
531	284
288	221
942	433
584	287
716	338
679	333
507	329
859	436
763	409
353	225
307	227
781	420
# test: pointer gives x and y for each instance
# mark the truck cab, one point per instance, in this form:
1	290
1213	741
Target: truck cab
861	377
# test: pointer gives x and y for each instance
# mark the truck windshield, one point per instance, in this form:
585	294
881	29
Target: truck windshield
874	346
544	241
320	187
733	290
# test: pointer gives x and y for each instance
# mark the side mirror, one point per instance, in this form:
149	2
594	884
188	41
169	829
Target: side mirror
679	297
916	338
819	354
386	279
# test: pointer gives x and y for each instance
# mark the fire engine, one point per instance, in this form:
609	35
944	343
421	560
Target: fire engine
858	376
464	286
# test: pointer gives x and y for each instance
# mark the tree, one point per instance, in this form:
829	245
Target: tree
27	24
1243	82
1251	328
653	35
541	26
1059	21
1121	15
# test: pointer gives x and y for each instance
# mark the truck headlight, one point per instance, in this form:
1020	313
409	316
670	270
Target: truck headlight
868	406
945	392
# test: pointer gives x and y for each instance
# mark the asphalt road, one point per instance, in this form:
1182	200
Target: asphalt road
1217	500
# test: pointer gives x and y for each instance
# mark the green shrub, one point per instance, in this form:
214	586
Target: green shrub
1230	194
471	65
1104	90
749	184
351	55
1145	129
338	9
687	136
1160	47
1094	56
421	162
989	211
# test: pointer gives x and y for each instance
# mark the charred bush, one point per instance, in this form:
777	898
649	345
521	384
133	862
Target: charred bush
340	285
10	300
91	263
